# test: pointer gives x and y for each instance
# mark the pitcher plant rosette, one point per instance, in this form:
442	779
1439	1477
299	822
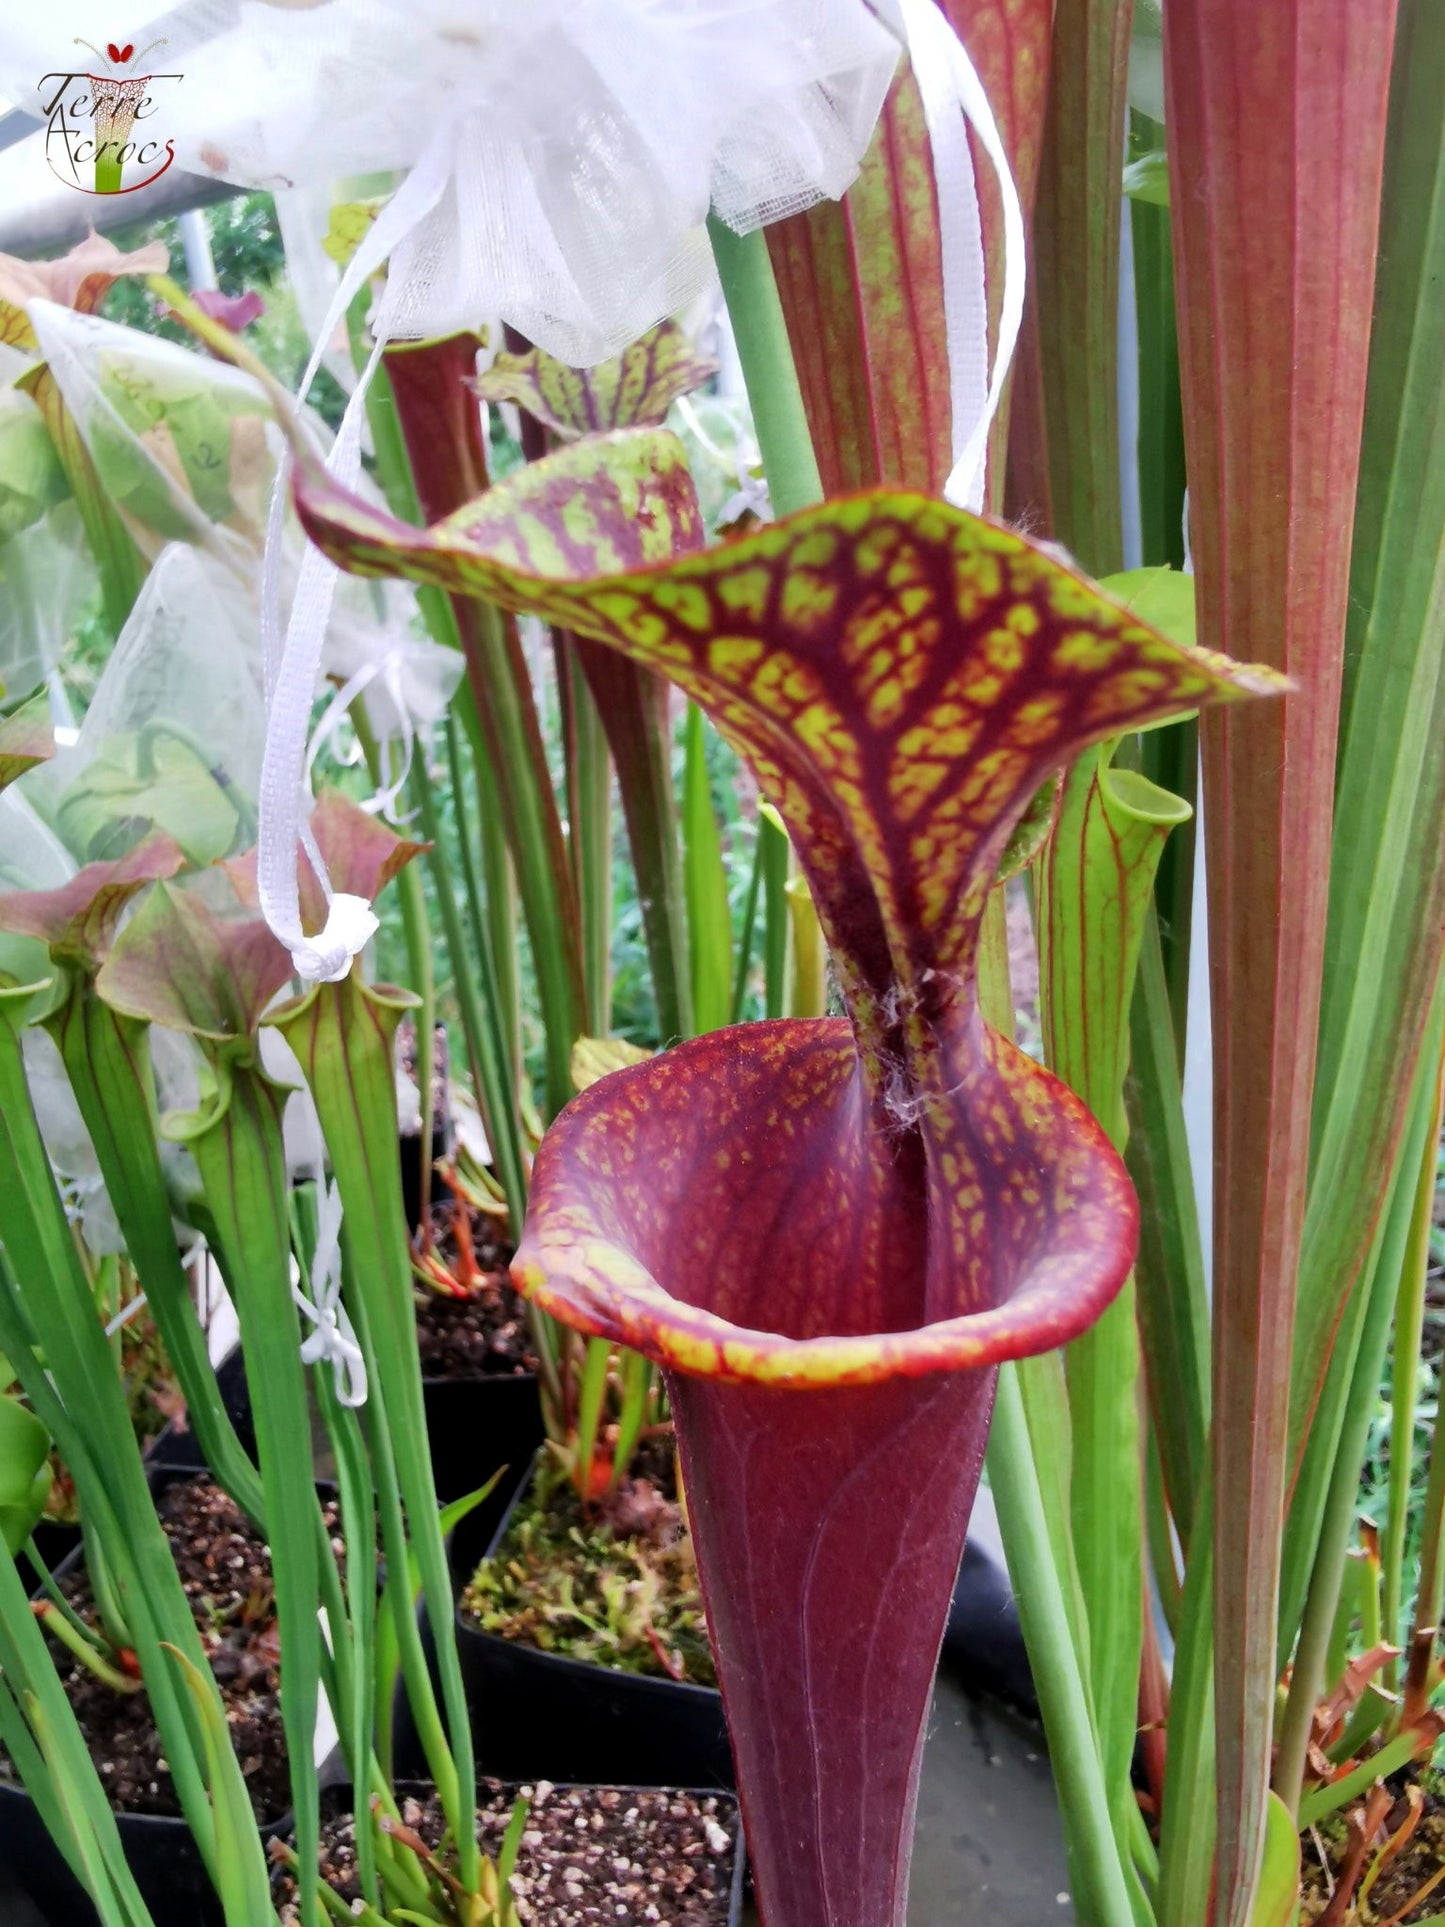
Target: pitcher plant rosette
828	1233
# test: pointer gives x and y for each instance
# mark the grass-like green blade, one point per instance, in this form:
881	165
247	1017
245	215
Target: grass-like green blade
1387	883
1173	1299
1275	290
242	1162
241	1877
1096	877
107	1060
1076	268
1403	1245
78	1395
589	828
709	925
342	1035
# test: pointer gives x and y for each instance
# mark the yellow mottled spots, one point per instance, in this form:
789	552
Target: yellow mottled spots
685	602
979	583
1004	649
885	702
1085	649
821	729
1124	695
876	547
818	549
981	685
808	599
1023	618
730	656
1036	720
745	590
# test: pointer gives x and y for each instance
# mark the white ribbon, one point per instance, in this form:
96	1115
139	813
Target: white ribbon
952	94
333	1341
293	662
388	671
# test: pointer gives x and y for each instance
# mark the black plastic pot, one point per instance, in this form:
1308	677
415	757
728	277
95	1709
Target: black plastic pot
178	1447
55	1543
338	1796
539	1715
163	1857
475	1426
162	1854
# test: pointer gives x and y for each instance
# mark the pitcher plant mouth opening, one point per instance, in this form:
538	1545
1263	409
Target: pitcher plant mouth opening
721	1211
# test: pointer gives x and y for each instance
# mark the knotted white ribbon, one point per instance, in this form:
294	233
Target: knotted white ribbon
333	1339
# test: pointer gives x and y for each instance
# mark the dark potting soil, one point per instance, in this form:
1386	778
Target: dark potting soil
587	1855
225	1570
614	1582
483	1335
481	1332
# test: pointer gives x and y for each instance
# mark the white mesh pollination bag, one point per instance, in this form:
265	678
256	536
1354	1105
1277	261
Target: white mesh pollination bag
173	736
563	153
183	445
187	452
45	567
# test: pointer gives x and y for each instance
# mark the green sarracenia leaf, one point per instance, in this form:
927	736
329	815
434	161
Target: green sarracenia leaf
241	1878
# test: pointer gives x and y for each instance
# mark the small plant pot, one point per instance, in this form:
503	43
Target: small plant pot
162	1855
176	1448
337	1800
539	1715
161	1852
475	1426
55	1542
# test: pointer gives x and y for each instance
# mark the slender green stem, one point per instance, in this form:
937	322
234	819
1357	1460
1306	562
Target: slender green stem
108	1063
589	829
342	1034
769	371
90	1655
242	1161
472	980
774	855
416	925
745	938
1186	1840
1101	1890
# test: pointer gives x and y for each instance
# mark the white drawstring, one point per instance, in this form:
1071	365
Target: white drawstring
292	662
334	1339
326	732
952	93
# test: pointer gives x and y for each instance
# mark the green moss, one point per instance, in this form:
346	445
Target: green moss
581	1585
